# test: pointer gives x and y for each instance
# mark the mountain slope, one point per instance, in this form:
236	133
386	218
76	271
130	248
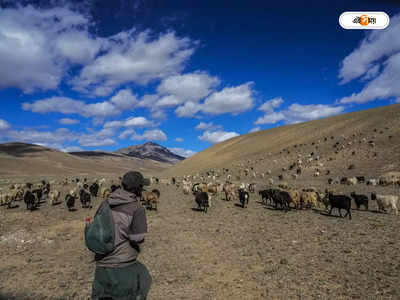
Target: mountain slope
265	149
17	159
151	151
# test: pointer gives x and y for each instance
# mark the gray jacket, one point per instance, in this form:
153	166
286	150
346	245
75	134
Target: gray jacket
130	225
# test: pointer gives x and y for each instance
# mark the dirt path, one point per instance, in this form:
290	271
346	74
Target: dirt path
228	253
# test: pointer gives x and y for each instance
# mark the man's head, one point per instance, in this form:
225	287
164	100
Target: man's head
134	181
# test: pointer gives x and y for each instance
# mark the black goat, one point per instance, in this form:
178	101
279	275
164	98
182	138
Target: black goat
29	199
202	201
84	196
38	195
340	202
282	198
70	201
114	188
360	200
94	189
243	197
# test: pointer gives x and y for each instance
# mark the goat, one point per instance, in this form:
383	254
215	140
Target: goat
243	197
386	201
340	202
202	200
360	200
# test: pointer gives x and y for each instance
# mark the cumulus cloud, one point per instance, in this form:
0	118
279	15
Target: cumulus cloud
377	61
124	100
207	126
97	139
36	46
255	129
232	100
72	149
188	87
272	104
150	135
4	125
297	113
46	138
188	109
130	122
182	152
217	136
126	133
67	121
179	140
130	56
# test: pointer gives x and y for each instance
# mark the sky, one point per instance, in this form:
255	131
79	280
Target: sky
103	75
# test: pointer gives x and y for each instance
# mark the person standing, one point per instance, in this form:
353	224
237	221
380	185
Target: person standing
119	275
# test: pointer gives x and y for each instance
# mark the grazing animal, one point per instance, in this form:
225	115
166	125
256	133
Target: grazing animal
202	200
243	197
54	197
38	195
386	201
30	200
94	189
70	201
84	197
340	202
282	198
360	200
150	199
252	187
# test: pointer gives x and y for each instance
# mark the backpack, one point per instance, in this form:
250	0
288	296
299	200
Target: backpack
100	233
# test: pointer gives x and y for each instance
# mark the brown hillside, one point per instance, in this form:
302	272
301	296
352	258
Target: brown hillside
20	159
264	147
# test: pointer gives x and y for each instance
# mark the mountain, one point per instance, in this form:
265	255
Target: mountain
152	151
279	147
21	159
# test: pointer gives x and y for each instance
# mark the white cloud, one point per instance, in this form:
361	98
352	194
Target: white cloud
255	129
270	105
168	101
130	122
72	149
182	152
188	109
230	100
378	44
188	87
4	125
151	135
36	46
56	137
67	121
148	101
217	136
270	118
126	133
297	113
99	138
207	126
179	140
397	100
124	100
130	56
377	59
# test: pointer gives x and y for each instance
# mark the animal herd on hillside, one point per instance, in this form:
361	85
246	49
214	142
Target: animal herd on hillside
207	185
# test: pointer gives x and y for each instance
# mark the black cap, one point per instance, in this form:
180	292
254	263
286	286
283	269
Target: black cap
134	179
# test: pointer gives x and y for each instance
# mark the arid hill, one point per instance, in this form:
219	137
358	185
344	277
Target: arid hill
20	159
369	139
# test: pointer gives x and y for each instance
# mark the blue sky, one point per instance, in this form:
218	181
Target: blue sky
90	75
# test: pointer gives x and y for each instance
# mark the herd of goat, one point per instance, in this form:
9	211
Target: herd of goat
280	199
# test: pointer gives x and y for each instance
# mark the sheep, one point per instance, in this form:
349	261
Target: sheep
361	179
309	199
316	174
202	200
150	199
372	182
296	199
54	197
186	189
243	197
270	181
229	190
386	201
360	200
340	202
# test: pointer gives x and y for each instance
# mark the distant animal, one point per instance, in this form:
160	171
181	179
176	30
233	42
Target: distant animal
360	200
30	200
150	199
386	201
340	202
84	197
94	189
70	201
54	197
243	197
202	200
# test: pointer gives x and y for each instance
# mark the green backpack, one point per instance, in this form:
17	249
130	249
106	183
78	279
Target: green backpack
100	233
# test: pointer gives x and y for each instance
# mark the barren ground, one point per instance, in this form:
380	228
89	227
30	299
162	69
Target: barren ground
228	253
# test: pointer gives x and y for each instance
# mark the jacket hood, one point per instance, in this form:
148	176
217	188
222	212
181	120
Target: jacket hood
121	196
